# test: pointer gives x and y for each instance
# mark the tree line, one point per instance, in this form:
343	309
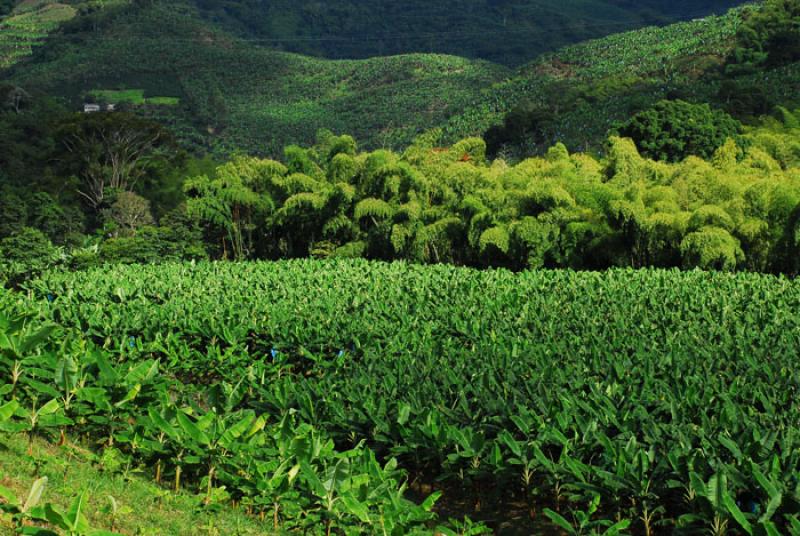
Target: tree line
735	208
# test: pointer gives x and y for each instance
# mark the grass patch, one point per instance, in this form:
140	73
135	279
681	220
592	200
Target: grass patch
132	96
145	509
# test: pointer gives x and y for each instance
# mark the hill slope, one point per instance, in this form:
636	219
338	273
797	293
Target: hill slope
504	31
221	92
584	89
232	94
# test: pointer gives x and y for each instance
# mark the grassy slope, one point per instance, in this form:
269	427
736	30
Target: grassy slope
144	508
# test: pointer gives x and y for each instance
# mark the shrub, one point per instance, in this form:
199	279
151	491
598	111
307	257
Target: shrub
26	254
673	130
151	245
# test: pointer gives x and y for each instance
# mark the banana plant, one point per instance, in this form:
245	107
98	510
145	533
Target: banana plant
272	487
213	438
18	338
772	489
162	437
67	378
22	511
470	449
463	527
113	509
119	393
7	411
633	477
583	523
73	521
554	469
523	457
716	506
34	418
18	342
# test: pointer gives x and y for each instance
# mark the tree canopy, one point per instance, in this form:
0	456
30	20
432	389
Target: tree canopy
673	130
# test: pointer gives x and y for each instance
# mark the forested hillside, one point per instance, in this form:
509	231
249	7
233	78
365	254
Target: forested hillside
744	62
219	92
678	92
510	32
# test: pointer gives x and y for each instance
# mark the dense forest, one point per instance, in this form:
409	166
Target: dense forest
400	268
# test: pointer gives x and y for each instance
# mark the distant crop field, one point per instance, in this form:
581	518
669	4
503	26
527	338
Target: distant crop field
28	26
132	96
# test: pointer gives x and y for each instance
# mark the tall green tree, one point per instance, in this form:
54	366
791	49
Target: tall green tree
231	201
770	35
673	130
114	151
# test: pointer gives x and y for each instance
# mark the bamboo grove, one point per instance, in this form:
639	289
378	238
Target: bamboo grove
736	211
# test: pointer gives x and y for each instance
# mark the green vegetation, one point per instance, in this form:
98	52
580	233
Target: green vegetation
735	210
212	439
625	364
26	253
582	90
575	95
120	497
674	130
27	27
502	31
671	405
132	96
235	96
769	36
238	94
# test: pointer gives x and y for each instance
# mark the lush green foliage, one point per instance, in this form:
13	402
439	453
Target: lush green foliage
770	35
674	130
26	253
212	439
734	210
350	397
236	95
75	178
738	210
583	89
575	95
228	94
502	31
670	395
